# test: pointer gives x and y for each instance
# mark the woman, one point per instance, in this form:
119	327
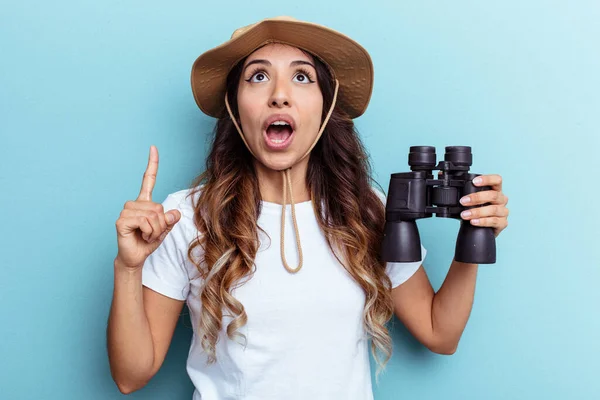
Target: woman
280	308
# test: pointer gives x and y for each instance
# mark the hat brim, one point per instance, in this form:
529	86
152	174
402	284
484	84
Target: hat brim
350	62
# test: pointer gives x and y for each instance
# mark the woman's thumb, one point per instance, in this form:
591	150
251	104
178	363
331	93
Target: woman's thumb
172	217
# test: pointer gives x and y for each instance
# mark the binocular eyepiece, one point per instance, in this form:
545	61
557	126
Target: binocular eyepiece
415	195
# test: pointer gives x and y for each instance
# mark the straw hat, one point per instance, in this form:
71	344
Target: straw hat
348	60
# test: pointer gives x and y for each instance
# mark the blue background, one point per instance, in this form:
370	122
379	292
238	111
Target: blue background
86	87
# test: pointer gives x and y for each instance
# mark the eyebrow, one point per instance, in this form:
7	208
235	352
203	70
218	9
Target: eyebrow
268	63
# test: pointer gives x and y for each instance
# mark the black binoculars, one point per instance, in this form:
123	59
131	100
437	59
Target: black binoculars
415	195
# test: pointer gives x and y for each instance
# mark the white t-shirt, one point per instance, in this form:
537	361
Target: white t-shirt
305	335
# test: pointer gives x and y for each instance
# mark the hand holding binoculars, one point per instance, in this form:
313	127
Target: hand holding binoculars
415	195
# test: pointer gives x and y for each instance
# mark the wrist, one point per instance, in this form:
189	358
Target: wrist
121	268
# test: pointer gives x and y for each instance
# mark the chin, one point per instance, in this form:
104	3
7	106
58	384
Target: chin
279	161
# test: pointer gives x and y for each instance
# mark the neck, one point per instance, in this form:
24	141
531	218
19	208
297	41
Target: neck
271	183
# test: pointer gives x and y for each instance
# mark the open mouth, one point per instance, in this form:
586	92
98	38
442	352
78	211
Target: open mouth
279	132
279	135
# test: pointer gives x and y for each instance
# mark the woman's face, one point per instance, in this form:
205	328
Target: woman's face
280	104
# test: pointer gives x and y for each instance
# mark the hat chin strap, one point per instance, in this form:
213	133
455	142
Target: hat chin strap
288	182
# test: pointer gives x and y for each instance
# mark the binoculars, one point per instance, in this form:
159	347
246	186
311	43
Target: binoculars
415	195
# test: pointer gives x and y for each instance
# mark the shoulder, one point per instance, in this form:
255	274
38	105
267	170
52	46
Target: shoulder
184	201
380	194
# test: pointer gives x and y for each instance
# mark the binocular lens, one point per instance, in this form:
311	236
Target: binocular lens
422	156
459	155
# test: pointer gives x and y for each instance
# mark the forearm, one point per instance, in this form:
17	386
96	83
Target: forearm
129	340
452	305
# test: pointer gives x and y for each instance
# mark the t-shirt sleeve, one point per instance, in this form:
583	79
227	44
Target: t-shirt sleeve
400	272
165	270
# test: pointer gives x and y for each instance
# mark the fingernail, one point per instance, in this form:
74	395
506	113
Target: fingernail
164	234
477	180
170	218
465	200
475	221
465	214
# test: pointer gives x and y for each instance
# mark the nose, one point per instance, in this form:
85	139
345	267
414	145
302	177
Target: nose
280	96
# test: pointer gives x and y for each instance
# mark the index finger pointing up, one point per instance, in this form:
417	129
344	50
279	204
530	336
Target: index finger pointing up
149	175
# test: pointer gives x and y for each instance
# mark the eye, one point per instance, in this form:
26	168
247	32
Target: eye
258	76
304	76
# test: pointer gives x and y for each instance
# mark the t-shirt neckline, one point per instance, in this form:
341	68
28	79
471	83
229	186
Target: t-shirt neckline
275	208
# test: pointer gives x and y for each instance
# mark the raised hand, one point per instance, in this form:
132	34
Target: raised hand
143	224
494	215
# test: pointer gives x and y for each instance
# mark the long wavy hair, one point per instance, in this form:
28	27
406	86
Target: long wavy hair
347	208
